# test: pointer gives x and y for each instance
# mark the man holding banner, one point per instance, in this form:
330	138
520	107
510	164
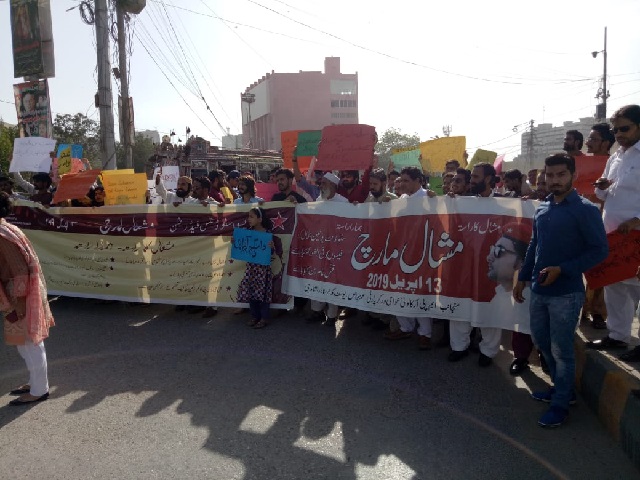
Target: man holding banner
568	239
619	188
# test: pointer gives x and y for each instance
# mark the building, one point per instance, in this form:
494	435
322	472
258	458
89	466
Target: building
545	139
231	141
297	101
152	135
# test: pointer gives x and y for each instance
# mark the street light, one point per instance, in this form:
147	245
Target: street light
249	98
603	93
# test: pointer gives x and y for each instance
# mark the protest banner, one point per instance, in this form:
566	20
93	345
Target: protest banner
73	186
148	253
435	153
251	246
266	191
125	188
621	263
588	170
33	110
346	147
406	158
32	154
308	143
483	156
428	257
169	176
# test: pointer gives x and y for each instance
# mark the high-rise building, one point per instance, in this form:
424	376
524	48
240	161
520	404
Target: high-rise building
297	101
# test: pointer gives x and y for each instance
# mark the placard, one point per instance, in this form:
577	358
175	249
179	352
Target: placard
435	153
169	176
621	263
589	168
346	147
251	246
125	189
406	158
266	191
74	186
308	143
32	154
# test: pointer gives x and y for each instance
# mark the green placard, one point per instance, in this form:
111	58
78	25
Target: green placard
308	143
435	184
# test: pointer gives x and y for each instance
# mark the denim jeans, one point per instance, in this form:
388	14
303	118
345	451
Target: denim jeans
553	326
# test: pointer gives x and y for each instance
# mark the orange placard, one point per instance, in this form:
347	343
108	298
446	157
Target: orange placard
75	185
289	140
588	170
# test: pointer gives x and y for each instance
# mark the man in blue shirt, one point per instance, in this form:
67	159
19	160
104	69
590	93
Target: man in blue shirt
568	239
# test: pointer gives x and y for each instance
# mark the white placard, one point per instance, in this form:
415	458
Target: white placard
169	176
32	154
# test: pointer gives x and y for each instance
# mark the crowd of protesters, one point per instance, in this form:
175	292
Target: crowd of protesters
569	237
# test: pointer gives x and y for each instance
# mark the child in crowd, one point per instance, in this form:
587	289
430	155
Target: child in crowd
257	285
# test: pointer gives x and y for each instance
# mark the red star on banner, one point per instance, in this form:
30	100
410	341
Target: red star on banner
278	222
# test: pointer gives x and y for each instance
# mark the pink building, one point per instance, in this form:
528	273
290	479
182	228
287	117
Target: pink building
298	101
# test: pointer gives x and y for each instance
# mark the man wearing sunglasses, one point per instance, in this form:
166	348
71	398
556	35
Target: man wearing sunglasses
619	189
568	239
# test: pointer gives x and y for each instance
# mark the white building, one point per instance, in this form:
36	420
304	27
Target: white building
152	135
544	140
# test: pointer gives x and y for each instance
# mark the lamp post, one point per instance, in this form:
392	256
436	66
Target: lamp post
601	110
249	98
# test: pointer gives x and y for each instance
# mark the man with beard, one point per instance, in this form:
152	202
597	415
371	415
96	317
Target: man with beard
483	179
328	193
412	178
350	186
447	179
201	192
181	195
284	180
378	187
247	191
568	239
573	143
619	188
216	182
600	139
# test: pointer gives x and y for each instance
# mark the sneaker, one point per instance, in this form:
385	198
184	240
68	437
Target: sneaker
598	322
424	343
554	417
545	396
398	335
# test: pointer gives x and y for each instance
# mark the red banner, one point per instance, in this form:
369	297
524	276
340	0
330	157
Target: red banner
622	262
346	147
395	258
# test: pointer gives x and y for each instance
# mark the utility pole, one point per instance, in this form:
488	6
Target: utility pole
601	109
105	103
529	161
249	98
125	117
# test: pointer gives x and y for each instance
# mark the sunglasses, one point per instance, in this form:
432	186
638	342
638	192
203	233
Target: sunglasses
498	250
623	129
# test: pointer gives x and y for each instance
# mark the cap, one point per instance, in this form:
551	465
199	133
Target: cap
517	232
332	178
234	174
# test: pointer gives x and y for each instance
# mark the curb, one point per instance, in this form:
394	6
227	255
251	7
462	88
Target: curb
608	391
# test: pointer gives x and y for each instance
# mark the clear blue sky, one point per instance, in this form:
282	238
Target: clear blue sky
482	67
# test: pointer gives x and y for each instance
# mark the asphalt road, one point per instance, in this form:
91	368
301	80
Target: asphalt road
148	393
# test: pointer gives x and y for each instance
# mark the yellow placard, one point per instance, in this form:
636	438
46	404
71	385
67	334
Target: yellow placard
64	160
125	189
435	153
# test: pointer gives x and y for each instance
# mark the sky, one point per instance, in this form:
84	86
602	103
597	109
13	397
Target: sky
484	68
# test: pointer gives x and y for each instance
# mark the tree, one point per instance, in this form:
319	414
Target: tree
81	130
142	150
7	134
393	138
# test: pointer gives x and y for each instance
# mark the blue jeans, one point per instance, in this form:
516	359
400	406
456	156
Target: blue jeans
553	327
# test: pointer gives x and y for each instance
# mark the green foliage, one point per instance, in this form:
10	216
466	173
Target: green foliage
79	129
390	139
7	135
142	150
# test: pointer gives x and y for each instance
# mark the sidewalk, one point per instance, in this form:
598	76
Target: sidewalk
611	388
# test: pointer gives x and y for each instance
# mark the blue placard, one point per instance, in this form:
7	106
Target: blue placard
73	150
251	246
